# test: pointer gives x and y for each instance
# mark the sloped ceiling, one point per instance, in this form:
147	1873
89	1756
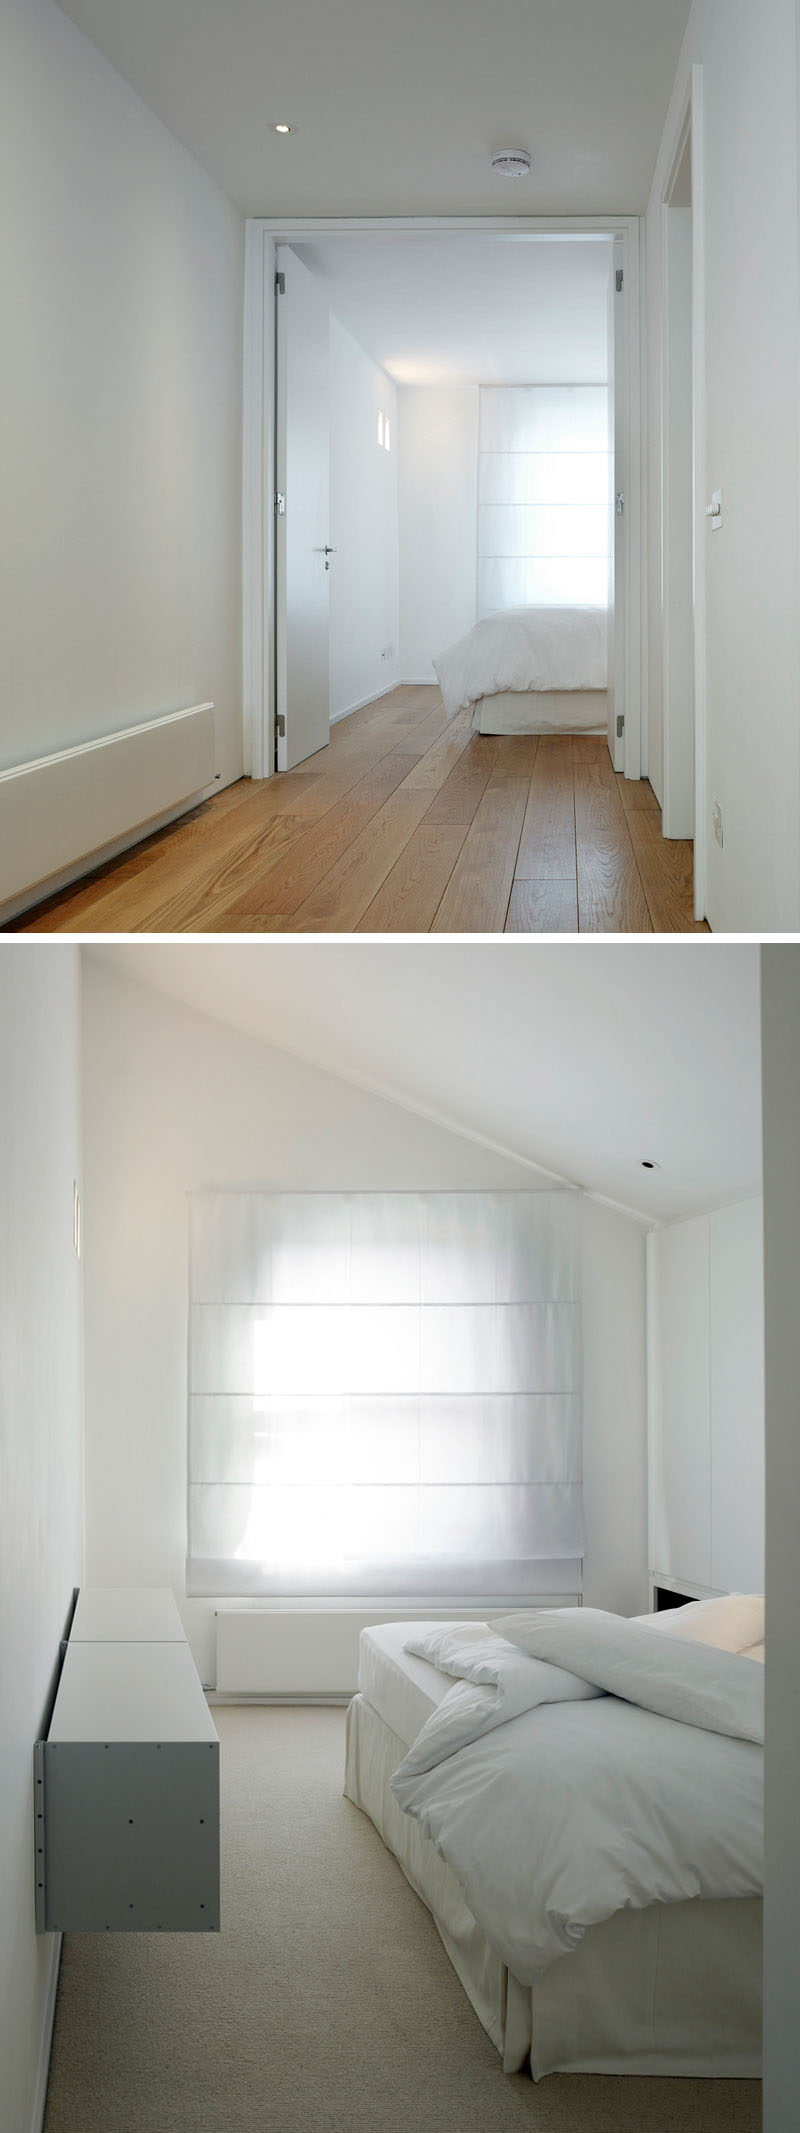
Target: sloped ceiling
396	109
582	1059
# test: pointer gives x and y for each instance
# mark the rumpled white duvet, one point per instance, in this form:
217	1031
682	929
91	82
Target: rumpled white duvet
607	1766
525	648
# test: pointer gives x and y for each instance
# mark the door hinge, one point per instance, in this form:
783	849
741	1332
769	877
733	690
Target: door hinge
620	503
620	724
280	284
280	503
620	279
280	725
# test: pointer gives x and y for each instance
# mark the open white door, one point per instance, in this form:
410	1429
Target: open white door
616	564
302	523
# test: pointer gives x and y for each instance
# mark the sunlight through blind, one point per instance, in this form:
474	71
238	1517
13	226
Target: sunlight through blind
544	485
384	1394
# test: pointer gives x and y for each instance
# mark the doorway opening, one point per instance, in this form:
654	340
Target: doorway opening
445	422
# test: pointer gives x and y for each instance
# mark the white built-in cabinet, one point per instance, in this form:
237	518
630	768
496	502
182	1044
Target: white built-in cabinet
706	1401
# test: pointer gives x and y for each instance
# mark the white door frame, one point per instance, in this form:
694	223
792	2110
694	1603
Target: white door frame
258	473
688	127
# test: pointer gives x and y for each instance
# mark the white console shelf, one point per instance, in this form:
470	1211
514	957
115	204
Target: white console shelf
127	1781
126	1614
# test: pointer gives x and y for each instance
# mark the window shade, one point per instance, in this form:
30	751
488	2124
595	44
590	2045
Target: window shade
544	485
384	1394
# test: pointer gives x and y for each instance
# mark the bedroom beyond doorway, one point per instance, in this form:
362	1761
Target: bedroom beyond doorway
452	440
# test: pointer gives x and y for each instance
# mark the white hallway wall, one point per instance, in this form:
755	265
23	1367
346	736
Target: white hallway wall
749	61
438	521
41	1459
174	1101
121	382
364	620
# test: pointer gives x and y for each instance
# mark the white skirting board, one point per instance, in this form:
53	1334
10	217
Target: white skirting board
313	1652
63	808
375	697
46	2035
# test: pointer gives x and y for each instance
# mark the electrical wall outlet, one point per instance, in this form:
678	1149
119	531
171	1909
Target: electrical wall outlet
716	822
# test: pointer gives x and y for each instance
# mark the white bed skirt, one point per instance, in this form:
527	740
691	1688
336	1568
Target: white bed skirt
542	711
674	1989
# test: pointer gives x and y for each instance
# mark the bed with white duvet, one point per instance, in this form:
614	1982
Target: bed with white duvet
578	1799
530	670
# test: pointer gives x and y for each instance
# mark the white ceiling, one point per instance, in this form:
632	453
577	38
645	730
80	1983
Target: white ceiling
581	1059
398	107
490	310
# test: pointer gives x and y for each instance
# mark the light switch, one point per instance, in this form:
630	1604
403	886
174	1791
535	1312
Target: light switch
714	510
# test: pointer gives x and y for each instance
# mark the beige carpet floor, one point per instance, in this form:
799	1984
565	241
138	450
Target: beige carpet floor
326	2002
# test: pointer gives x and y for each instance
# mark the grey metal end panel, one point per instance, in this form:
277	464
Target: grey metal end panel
38	1836
132	1837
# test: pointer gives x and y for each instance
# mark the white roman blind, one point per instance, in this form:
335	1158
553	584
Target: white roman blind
384	1394
544	486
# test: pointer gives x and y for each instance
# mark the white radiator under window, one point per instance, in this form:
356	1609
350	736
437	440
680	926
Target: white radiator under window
64	808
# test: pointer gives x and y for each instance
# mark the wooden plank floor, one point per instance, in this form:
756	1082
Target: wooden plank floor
403	824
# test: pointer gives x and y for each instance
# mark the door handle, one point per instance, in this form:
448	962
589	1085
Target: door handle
326	551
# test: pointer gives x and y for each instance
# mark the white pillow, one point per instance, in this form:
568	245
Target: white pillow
699	1686
734	1623
754	1651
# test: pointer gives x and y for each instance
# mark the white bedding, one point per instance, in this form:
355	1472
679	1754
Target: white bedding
403	1689
525	648
557	1804
542	711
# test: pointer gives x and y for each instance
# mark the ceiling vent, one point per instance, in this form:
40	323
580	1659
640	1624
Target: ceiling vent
512	163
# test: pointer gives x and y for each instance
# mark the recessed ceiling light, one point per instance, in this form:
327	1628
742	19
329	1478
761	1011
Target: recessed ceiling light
647	1163
280	126
512	163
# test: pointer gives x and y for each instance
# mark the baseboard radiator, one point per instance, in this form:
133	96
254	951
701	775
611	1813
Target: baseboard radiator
60	810
283	1654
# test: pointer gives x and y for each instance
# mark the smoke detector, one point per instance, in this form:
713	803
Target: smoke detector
512	162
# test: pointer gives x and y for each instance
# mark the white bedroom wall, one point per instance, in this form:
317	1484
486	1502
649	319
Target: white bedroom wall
121	384
364	570
706	1336
438	520
174	1101
41	1460
752	332
615	1398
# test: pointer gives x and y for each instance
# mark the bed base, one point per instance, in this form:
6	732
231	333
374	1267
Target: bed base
674	1989
542	711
